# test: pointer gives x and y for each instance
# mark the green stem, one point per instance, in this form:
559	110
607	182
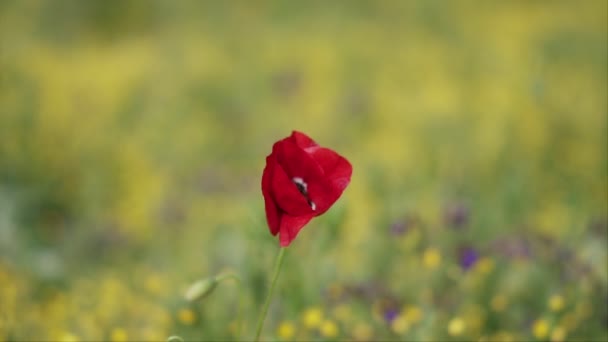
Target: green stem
275	275
239	314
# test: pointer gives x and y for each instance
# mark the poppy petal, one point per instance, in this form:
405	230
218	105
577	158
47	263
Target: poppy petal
286	194
296	162
302	140
336	168
337	173
272	212
301	180
322	196
291	226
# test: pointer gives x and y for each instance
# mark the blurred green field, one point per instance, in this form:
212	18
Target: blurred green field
132	142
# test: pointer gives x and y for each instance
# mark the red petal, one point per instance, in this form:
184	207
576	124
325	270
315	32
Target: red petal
273	216
323	195
336	168
337	173
286	193
302	140
296	162
291	226
325	172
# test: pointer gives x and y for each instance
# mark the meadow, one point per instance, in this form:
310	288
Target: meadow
133	135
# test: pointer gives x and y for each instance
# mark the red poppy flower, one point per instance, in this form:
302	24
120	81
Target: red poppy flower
301	180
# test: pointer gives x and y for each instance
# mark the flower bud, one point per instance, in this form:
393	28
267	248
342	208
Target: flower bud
200	289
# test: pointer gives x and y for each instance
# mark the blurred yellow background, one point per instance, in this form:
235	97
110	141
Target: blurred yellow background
133	136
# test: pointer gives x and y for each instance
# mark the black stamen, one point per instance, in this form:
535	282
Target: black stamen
301	188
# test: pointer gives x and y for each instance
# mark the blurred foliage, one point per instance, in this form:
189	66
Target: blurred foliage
133	136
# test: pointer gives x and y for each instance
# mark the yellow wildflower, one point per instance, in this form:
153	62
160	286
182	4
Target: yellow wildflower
558	334
69	337
456	326
118	335
186	316
313	317
431	258
286	330
485	265
556	303
400	325
413	314
362	332
328	329
540	329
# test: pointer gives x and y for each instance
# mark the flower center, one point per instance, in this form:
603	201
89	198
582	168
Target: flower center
303	188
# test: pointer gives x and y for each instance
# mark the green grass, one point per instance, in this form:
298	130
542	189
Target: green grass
133	137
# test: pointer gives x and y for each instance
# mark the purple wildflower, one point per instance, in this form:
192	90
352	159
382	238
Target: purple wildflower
468	258
456	215
390	314
401	226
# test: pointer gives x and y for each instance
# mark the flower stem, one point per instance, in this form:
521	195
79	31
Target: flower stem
239	314
275	275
